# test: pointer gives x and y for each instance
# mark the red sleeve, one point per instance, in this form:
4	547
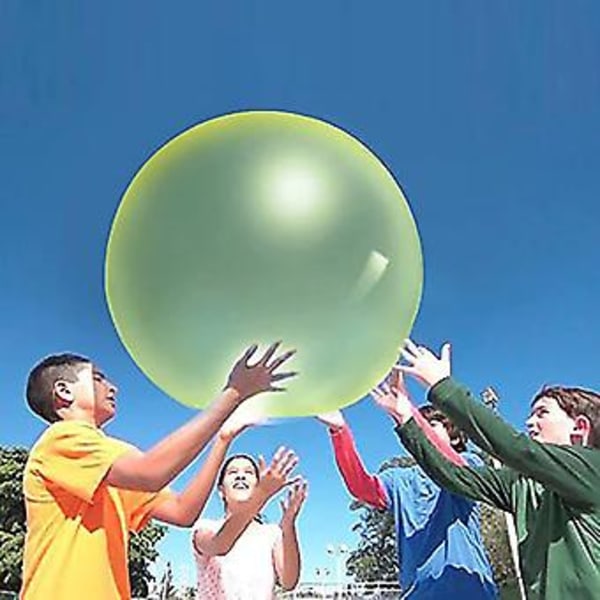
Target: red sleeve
363	486
443	447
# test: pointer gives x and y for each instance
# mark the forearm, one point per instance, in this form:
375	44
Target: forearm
484	427
442	446
186	507
290	571
235	524
362	485
168	458
479	484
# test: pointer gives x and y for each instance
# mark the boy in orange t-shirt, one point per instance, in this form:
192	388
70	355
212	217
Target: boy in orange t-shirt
85	491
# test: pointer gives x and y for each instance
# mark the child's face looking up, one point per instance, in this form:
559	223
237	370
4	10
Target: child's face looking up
549	423
239	481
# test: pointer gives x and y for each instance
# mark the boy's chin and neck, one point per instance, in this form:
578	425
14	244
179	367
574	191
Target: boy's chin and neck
97	420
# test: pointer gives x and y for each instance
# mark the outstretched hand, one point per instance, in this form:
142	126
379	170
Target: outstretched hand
291	505
250	380
242	418
276	476
424	365
334	419
392	396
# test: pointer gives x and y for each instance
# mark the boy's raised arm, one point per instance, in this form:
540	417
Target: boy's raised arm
478	483
361	484
183	509
393	397
572	472
154	469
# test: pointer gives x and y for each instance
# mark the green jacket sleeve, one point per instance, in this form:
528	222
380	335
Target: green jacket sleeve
478	483
572	472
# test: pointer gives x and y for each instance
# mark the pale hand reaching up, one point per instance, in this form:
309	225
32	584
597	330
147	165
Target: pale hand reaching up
276	476
392	396
291	505
424	365
333	419
245	416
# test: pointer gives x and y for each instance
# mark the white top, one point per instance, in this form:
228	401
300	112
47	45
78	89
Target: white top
246	572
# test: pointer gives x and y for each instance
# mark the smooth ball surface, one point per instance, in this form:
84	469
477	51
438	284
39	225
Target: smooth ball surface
255	227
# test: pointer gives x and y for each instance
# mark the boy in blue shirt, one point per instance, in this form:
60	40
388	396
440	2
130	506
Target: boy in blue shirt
439	544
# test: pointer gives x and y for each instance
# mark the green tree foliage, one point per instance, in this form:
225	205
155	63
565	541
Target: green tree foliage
142	547
374	558
167	587
495	538
142	554
12	516
188	593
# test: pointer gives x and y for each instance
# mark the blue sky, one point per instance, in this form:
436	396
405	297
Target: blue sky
487	113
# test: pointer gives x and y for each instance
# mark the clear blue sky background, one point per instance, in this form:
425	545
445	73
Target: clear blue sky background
487	113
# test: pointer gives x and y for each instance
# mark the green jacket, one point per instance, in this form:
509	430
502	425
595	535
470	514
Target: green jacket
553	491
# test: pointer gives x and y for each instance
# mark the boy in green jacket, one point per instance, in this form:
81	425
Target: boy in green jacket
550	481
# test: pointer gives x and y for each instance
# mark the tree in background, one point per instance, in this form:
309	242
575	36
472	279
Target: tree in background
375	556
12	517
167	587
188	593
495	538
142	547
142	554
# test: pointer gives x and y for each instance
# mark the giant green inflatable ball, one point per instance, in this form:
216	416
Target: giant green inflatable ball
255	227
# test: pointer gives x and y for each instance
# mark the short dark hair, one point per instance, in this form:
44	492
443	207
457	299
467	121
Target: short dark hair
41	380
458	438
576	402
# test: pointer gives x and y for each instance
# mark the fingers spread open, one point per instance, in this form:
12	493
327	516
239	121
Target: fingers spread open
277	362
281	376
248	354
269	353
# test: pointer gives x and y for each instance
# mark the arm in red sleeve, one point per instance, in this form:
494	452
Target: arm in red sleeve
363	486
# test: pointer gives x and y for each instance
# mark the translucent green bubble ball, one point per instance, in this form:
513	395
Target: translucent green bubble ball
257	227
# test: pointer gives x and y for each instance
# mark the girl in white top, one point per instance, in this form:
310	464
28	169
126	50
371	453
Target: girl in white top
239	557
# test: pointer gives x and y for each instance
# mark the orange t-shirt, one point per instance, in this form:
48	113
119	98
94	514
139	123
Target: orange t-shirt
77	525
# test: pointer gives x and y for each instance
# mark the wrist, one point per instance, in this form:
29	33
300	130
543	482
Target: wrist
401	416
233	395
434	380
261	495
225	439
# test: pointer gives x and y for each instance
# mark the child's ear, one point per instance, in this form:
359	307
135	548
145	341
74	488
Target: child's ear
581	431
62	392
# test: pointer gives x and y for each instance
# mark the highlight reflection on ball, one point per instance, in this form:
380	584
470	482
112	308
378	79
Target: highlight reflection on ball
261	226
